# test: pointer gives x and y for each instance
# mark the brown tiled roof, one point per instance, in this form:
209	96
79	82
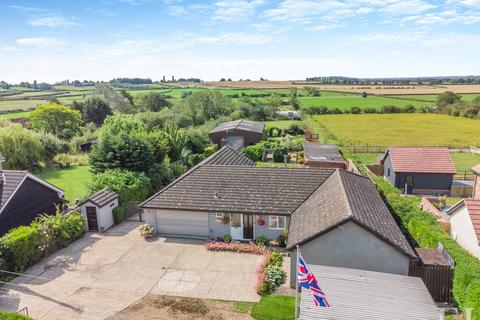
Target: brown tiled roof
346	196
227	156
10	180
243	189
473	207
476	169
421	160
103	197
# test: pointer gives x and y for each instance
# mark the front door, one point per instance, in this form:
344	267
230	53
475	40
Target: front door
236	226
409	184
248	226
92	219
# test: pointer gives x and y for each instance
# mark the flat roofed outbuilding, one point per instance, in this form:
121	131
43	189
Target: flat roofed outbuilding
238	133
323	155
366	295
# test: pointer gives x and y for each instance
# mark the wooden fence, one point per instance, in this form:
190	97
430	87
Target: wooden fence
464	175
437	279
383	149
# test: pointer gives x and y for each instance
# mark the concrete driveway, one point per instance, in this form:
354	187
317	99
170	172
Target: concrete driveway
99	275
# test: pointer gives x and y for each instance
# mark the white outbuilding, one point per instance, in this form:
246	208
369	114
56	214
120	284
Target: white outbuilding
98	210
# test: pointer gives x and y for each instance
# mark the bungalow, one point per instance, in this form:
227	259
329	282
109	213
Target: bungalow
465	219
238	133
357	294
23	197
335	216
419	170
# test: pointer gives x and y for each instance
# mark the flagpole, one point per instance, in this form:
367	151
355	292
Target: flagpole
296	282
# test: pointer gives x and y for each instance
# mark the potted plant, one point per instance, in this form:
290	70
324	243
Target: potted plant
146	230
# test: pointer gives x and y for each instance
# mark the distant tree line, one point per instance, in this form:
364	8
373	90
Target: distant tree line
395	81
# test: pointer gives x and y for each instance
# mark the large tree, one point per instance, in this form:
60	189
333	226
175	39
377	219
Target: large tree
94	110
56	119
206	105
116	101
154	101
21	147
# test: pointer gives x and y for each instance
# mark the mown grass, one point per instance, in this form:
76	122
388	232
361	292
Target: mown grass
20	104
464	160
399	129
4	315
72	180
282	124
274	308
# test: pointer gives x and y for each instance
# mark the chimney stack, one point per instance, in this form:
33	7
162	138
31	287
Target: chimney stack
476	182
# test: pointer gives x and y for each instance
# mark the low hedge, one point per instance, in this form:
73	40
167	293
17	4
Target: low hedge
426	232
25	245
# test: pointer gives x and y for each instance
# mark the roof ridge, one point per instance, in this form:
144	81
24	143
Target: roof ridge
349	205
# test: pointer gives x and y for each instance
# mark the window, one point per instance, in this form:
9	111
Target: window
277	222
219	217
236	221
388	172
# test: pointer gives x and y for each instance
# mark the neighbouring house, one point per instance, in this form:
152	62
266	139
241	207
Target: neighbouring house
23	197
357	294
238	133
97	210
335	216
345	223
323	156
289	114
419	170
465	218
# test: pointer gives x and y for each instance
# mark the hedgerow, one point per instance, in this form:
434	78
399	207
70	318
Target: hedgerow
426	232
25	245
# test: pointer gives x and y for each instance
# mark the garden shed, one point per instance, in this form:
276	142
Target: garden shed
237	134
98	210
323	156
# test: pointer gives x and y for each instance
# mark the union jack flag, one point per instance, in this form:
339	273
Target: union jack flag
307	280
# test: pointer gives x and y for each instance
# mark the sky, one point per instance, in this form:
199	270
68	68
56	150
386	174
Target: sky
54	40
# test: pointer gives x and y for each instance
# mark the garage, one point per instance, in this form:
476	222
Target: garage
182	223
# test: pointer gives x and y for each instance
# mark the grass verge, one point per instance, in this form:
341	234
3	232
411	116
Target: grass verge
274	307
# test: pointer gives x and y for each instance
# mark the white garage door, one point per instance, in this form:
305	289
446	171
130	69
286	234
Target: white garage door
182	223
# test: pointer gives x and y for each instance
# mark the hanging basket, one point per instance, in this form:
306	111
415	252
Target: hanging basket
261	222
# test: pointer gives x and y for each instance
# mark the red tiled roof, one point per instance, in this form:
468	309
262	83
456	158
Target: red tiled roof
421	160
473	207
476	169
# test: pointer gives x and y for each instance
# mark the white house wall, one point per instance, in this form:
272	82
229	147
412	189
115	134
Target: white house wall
462	230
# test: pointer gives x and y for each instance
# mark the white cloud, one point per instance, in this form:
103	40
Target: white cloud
52	21
406	7
238	38
27	8
323	27
39	42
296	10
235	10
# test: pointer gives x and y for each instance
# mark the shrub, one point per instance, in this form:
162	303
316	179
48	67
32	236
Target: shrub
227	238
65	229
262	240
276	259
274	275
282	238
118	215
355	110
294	130
19	246
130	186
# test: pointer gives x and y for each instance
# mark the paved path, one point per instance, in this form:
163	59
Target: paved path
99	275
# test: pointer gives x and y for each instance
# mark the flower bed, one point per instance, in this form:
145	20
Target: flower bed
270	274
237	247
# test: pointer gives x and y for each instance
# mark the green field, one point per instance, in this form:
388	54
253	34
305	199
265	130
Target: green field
345	102
72	180
19	104
433	97
398	129
15	115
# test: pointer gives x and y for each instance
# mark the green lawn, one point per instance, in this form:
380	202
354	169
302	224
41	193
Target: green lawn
406	129
433	97
4	315
72	180
464	160
274	308
282	124
20	104
14	115
368	158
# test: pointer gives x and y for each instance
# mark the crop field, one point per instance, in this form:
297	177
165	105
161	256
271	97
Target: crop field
398	129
